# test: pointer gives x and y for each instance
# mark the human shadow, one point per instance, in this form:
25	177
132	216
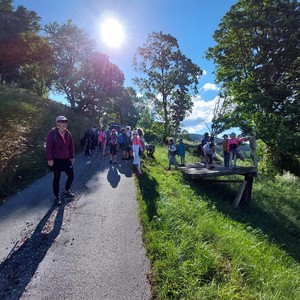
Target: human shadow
125	167
17	270
148	187
273	224
113	176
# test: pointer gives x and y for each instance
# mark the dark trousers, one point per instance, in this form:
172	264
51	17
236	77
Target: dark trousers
226	158
62	166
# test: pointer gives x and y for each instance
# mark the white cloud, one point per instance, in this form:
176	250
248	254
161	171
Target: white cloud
201	115
204	73
209	87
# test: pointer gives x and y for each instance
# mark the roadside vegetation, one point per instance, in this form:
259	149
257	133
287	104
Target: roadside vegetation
25	120
200	248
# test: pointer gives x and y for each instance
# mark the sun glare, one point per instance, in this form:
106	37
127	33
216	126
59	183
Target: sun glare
112	33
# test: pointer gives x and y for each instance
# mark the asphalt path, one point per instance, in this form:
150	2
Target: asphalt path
88	248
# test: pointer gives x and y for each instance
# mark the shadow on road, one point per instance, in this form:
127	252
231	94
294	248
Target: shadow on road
17	270
113	176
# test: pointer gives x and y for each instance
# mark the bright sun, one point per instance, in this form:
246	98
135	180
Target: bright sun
112	33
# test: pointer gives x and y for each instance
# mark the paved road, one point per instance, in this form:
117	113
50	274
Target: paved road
90	248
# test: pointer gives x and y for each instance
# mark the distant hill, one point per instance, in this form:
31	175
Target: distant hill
196	137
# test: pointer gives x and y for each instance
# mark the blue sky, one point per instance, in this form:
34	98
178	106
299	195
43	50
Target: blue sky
191	22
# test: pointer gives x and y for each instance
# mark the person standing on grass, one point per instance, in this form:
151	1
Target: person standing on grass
137	147
60	156
172	154
181	152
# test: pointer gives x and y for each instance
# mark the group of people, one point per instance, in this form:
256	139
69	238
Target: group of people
229	146
207	151
174	150
60	150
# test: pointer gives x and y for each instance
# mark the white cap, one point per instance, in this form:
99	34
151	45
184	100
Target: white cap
61	118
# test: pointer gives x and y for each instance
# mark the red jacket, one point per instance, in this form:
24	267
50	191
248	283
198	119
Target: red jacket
59	147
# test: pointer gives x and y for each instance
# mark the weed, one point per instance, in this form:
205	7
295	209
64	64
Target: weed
200	248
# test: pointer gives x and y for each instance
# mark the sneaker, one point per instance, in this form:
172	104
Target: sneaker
57	200
68	194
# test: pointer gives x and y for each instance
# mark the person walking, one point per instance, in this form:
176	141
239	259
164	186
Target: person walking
60	156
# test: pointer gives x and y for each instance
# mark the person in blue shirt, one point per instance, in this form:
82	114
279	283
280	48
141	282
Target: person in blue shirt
181	152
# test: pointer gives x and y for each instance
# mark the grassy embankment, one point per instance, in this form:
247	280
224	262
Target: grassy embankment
200	248
25	120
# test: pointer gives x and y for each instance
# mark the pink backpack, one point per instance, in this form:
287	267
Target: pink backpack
102	137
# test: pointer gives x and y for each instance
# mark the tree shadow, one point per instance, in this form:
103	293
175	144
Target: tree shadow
148	188
274	224
17	270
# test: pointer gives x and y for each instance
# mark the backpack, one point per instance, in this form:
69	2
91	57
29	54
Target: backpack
113	139
207	148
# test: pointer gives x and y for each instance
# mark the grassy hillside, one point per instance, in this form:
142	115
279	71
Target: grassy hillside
200	248
25	120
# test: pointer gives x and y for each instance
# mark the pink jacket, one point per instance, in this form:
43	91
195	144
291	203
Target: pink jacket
235	141
137	141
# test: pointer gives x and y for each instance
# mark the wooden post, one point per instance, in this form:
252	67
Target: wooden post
253	155
239	195
246	197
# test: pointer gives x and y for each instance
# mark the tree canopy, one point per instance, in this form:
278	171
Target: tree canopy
18	34
257	58
166	70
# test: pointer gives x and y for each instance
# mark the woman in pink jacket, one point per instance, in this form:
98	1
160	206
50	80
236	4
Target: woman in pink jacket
60	156
233	144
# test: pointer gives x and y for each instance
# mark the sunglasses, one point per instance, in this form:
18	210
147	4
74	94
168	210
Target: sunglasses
63	121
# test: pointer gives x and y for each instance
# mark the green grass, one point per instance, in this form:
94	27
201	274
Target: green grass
25	121
200	248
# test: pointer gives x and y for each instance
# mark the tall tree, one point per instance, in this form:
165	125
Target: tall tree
127	107
166	70
17	29
179	110
72	48
87	77
257	57
102	81
37	72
